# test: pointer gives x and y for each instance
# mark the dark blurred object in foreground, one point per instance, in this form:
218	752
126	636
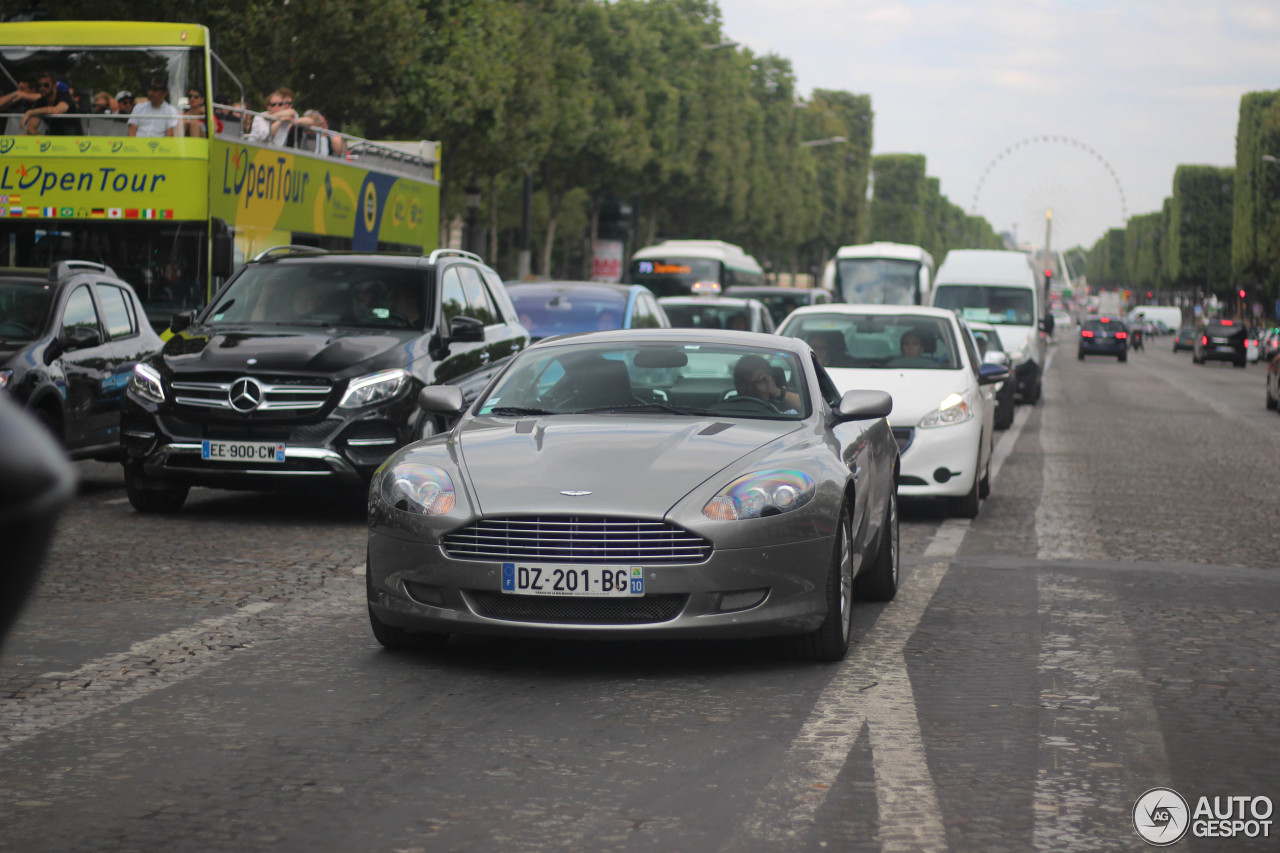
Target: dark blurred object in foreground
36	482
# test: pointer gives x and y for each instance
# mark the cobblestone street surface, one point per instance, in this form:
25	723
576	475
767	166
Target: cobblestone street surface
1110	623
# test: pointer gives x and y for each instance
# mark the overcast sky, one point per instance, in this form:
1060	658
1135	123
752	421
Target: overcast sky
1130	89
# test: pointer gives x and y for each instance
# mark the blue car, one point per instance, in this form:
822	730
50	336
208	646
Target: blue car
1104	336
550	308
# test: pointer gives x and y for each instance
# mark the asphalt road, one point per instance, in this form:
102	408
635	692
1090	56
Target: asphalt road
1110	623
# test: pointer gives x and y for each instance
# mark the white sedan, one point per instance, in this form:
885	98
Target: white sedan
943	405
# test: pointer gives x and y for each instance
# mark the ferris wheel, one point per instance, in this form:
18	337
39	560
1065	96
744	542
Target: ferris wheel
1050	177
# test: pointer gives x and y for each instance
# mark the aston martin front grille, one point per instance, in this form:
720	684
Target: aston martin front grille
576	539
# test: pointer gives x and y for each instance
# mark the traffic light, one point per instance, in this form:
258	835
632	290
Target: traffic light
1048	278
1242	293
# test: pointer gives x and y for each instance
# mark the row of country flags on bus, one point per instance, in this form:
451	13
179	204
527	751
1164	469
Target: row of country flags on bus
85	212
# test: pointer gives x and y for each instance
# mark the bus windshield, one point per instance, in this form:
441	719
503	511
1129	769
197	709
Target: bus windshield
81	72
675	276
878	281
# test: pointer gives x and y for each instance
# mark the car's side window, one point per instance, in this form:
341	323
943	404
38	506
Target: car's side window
479	305
826	386
498	295
453	299
967	336
79	312
117	315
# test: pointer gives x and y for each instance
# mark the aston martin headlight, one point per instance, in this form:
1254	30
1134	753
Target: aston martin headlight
417	488
374	388
145	382
955	408
6	376
763	493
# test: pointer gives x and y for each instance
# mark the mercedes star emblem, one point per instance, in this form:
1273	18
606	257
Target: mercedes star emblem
245	395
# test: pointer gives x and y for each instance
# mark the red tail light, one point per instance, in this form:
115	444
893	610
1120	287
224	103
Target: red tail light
1120	336
1204	340
1086	334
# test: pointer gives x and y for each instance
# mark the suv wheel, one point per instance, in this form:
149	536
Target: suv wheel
148	496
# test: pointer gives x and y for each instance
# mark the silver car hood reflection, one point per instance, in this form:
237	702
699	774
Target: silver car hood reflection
514	465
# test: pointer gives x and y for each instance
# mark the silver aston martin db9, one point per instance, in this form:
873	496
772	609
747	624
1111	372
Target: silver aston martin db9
655	483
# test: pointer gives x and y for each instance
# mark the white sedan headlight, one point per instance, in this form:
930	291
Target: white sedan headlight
955	408
374	388
417	488
761	494
145	382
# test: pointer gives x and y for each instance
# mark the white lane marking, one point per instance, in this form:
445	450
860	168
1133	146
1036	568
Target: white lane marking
57	699
872	688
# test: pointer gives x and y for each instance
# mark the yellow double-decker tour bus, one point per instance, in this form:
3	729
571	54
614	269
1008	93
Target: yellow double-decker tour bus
173	206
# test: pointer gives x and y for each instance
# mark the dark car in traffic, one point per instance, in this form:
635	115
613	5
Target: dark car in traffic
1103	336
549	308
1185	339
304	371
70	336
1221	340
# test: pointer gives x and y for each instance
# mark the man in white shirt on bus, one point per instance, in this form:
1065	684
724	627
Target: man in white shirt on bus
155	116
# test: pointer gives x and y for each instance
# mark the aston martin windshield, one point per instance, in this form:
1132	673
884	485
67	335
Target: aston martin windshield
675	378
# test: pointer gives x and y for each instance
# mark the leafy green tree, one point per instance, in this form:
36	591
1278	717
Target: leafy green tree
1255	236
898	198
1200	227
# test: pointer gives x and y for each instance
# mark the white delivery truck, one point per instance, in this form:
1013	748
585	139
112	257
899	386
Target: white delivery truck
1002	289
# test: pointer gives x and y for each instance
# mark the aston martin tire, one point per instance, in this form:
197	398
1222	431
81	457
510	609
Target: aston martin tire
830	642
879	581
149	496
967	506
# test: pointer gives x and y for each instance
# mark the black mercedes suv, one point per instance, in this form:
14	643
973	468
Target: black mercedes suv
303	372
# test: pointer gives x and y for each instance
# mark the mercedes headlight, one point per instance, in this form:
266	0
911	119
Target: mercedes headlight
955	408
145	382
418	488
761	494
375	388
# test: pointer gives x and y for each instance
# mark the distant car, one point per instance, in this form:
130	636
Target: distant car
1221	340
548	308
1103	336
1253	346
991	350
1185	339
1269	345
626	485
943	418
69	339
781	301
717	312
1063	324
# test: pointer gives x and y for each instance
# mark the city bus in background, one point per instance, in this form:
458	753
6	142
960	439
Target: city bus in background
880	274
176	215
683	267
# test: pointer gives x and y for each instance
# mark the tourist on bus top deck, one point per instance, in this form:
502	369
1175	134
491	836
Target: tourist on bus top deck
314	138
279	128
54	100
155	116
21	99
194	117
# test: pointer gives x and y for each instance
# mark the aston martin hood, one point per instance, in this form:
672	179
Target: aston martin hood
608	465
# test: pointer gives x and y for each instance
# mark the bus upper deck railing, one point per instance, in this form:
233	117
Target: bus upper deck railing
412	159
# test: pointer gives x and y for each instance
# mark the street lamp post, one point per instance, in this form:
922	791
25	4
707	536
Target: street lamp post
814	143
471	198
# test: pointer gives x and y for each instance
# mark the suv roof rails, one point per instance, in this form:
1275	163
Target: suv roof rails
286	250
471	256
63	269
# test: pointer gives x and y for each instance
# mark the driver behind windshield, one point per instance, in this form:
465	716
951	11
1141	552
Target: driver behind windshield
753	376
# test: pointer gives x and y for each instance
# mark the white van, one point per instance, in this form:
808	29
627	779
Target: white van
1170	315
1002	289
